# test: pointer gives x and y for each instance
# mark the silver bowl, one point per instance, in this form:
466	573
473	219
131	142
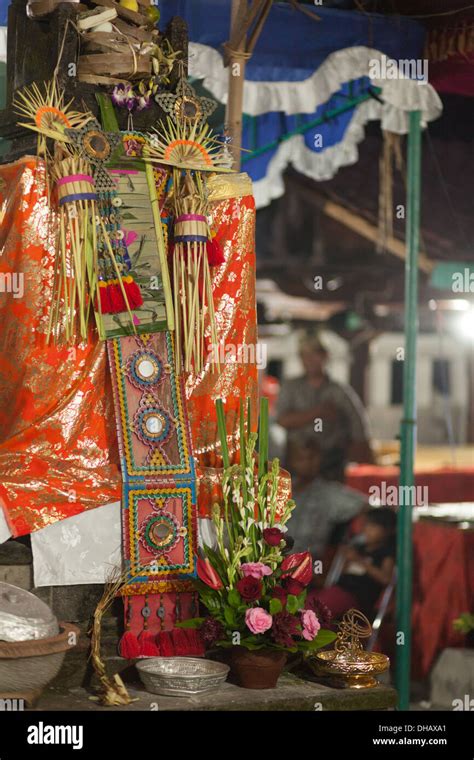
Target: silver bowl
181	676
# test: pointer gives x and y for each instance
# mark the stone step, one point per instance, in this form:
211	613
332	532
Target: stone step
15	553
452	680
16	564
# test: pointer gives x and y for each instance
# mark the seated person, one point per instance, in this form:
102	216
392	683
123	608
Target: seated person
368	569
321	505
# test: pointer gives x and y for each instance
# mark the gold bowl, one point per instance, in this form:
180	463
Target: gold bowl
349	670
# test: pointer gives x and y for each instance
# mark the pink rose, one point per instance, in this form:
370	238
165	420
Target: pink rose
311	624
258	620
255	570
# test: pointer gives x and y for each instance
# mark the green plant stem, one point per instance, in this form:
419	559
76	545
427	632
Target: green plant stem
263	437
221	427
243	452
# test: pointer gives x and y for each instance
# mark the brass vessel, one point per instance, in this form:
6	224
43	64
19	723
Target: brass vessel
348	665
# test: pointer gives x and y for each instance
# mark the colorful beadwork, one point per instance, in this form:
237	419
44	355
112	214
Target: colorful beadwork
152	425
176	556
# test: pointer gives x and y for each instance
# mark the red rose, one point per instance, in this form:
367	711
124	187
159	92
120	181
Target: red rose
272	536
279	593
250	589
293	587
299	567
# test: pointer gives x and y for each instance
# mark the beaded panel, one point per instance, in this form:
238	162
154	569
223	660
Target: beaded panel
159	527
152	424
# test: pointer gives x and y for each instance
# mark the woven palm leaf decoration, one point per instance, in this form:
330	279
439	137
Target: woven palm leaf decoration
186	142
91	271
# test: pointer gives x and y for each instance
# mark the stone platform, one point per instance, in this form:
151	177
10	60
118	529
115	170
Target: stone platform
291	694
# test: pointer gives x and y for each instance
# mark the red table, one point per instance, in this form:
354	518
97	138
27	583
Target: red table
443	571
443	588
444	485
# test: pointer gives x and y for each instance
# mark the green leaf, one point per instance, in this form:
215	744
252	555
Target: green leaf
323	638
108	116
191	623
234	598
252	643
292	604
230	616
275	606
302	598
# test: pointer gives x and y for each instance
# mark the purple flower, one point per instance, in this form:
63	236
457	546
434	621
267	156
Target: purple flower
143	102
122	95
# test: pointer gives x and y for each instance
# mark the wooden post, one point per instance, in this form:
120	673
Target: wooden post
236	63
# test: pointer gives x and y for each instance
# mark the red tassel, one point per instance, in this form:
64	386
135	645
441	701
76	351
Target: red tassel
215	256
104	300
195	643
148	645
181	645
166	645
117	301
129	646
134	295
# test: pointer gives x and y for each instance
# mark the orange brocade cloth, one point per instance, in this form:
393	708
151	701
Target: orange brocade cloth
58	442
58	450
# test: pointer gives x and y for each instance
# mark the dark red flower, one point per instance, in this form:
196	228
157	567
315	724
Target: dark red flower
298	566
323	613
250	589
272	536
211	631
292	586
279	593
284	627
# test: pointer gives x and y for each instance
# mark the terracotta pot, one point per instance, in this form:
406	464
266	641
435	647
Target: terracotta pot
26	667
257	669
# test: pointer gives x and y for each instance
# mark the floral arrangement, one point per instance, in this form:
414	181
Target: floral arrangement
254	592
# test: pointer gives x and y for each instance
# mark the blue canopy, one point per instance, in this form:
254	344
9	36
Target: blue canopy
309	88
314	73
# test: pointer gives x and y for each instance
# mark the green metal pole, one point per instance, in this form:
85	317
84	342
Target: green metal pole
408	424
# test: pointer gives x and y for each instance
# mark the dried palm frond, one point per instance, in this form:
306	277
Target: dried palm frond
112	689
184	147
46	112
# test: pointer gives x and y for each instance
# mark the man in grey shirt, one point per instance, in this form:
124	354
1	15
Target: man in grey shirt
315	405
321	505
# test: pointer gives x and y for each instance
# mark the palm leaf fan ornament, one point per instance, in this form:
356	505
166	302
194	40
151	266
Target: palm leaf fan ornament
86	246
186	142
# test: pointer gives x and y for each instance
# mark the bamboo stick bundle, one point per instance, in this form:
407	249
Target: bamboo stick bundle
192	278
77	200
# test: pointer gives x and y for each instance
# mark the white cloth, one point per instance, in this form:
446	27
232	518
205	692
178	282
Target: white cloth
85	548
306	95
4	529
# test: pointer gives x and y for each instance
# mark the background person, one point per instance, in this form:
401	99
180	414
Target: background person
368	567
321	505
343	436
